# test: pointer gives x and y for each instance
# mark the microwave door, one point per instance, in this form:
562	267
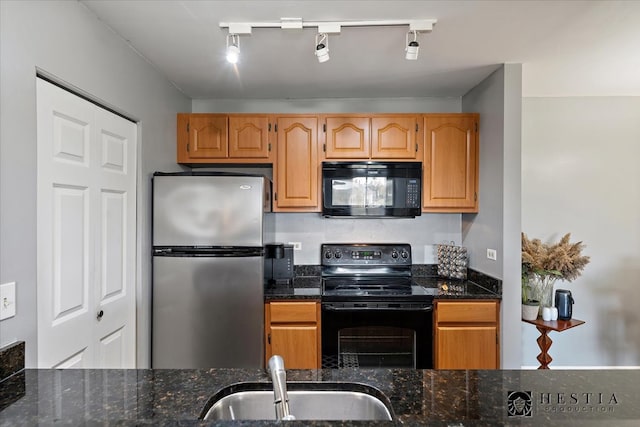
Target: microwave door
349	192
379	192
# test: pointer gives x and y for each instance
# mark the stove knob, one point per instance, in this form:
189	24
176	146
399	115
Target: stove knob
404	254
338	255
394	254
328	255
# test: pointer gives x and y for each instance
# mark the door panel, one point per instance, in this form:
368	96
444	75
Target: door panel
297	165
347	137
208	136
393	138
75	361
86	230
70	244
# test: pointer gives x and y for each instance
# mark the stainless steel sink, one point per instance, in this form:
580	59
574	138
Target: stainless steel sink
307	401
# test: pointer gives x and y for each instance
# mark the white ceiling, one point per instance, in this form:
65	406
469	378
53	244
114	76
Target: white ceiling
567	48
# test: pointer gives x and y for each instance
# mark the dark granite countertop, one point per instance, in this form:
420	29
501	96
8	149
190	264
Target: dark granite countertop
307	284
418	397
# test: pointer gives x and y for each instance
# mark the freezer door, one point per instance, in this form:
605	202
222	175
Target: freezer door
209	210
207	312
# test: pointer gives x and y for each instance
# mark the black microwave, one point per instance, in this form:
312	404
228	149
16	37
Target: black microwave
371	189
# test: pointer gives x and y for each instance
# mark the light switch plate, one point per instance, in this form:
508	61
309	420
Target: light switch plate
7	300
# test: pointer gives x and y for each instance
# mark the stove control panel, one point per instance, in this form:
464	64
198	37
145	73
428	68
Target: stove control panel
366	254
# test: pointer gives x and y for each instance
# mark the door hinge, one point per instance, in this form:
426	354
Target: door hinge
269	338
275	127
187	147
416	147
269	147
187	127
324	147
416	127
269	127
475	196
476	126
324	127
275	196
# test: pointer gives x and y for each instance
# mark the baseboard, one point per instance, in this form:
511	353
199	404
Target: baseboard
575	368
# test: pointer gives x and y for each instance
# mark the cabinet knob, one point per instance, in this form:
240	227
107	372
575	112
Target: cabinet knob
99	315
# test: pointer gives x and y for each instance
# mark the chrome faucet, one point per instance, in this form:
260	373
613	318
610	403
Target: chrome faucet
279	380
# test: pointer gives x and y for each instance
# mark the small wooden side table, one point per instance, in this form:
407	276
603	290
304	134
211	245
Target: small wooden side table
544	342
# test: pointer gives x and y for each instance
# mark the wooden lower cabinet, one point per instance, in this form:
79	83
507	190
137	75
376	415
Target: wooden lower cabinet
292	330
466	334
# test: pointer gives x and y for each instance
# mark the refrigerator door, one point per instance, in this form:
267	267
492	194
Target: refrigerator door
209	210
208	312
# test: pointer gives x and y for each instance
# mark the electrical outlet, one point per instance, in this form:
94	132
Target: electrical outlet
297	246
492	254
7	300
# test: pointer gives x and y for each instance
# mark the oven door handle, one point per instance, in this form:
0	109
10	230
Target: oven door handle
334	308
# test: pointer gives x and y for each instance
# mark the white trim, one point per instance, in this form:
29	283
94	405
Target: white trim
572	368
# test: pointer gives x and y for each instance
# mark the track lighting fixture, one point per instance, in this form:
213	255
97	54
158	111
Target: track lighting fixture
324	29
322	47
233	48
412	46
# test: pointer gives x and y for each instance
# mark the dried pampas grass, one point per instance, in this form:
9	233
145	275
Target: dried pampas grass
562	259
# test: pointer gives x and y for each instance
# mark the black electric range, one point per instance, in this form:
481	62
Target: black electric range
373	314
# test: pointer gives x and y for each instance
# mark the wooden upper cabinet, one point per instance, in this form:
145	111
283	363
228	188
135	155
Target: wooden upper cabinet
296	171
223	138
371	137
249	137
347	137
394	137
450	167
202	137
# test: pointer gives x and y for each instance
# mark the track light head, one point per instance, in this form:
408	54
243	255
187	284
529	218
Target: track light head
412	46
233	48
322	47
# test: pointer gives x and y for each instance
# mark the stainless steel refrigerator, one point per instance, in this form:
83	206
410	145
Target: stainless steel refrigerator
209	231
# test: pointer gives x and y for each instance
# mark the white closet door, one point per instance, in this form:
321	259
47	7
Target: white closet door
86	233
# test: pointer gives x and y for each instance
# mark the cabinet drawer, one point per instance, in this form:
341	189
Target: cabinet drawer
288	312
459	312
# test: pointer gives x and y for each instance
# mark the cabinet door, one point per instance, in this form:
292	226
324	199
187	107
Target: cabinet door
394	137
466	334
347	137
466	347
249	137
450	163
207	136
297	344
297	172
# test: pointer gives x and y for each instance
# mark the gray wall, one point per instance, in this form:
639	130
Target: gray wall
497	225
66	41
311	229
329	105
580	174
422	233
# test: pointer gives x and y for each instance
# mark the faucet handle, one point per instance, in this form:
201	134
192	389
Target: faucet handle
276	363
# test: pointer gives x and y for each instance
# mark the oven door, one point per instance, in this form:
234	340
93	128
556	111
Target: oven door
376	335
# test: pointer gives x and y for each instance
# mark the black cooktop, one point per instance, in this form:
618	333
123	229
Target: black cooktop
361	272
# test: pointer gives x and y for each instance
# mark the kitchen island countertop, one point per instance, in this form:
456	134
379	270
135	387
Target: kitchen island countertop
418	397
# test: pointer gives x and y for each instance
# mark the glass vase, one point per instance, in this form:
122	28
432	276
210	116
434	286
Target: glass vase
542	289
